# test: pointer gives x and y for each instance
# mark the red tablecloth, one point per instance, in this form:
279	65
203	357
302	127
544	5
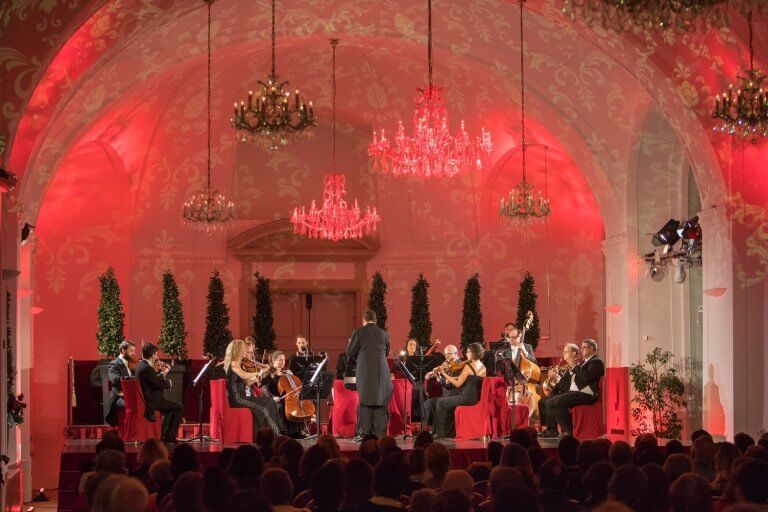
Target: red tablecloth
344	410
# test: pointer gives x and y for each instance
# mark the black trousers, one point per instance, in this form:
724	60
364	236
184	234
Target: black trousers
172	413
372	419
556	410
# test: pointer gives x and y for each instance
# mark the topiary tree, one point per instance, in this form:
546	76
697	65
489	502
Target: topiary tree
376	299
217	333
421	325
173	335
471	314
263	323
659	396
111	315
526	301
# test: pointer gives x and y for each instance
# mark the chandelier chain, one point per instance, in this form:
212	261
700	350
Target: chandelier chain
522	88
751	48
334	43
273	38
210	3
429	40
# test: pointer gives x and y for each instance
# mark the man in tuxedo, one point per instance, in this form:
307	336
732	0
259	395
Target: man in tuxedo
579	385
517	349
152	385
117	370
452	355
369	345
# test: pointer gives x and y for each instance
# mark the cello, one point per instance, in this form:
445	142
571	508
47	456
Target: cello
297	410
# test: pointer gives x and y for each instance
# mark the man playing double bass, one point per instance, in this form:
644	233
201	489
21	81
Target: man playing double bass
517	349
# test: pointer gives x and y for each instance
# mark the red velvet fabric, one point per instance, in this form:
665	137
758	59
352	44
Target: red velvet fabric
344	411
473	421
135	426
234	424
588	419
501	412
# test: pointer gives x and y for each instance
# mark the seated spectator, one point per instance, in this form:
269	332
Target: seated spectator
107	461
390	478
515	456
751	482
330	444
620	453
215	485
479	471
416	465
656	496
246	466
605	444
313	459
183	459
152	450
248	500
386	443
328	486
647	450
757	452
703	457
516	499
358	482
160	476
225	458
502	477
289	456
438	461
493	453
595	483
627	486
188	492
675	465
553	479
743	441
690	493
369	452
522	437
458	479
700	433
588	453
674	446
423	500
566	450
120	493
452	500
423	439
725	454
538	457
265	437
278	489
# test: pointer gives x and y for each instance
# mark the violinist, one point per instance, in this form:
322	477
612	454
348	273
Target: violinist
118	369
152	374
270	388
263	408
468	381
451	354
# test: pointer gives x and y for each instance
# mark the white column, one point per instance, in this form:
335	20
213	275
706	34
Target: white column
25	354
621	269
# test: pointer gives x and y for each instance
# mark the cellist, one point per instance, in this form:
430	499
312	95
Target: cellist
269	387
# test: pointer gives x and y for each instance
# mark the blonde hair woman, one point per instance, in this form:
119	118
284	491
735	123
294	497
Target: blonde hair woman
263	408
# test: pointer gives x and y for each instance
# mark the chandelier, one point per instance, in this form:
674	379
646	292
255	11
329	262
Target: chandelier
744	112
648	15
334	220
431	151
273	116
524	206
207	210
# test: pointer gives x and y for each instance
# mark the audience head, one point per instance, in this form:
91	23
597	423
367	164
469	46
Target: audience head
110	441
647	450
703	451
699	433
423	500
459	479
385	443
522	437
566	449
674	446
620	453
328	486
656	495
512	498
216	485
493	453
160	472
479	471
743	441
423	439
248	500
246	467
751	479
110	461
331	445
225	458
515	456
264	438
502	477
313	459
627	485
538	457
183	459
677	464
277	486
725	454
358	481
120	493
438	460
588	453
553	476
150	451
452	500
757	452
188	492
595	481
416	463
369	451
391	477
290	454
690	493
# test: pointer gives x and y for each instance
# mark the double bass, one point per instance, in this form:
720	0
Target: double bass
526	393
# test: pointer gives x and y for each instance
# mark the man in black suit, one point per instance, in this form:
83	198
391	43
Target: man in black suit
117	370
152	385
517	349
369	345
579	385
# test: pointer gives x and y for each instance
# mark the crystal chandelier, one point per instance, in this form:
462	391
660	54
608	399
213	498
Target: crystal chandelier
273	117
744	112
524	206
431	151
647	15
208	210
334	220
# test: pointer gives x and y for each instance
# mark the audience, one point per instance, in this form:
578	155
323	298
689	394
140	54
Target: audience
516	476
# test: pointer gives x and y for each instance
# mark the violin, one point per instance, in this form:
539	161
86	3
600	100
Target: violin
452	369
162	366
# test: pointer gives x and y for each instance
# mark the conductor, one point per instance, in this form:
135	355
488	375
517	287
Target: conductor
369	345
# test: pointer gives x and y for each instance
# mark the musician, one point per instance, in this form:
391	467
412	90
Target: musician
468	382
369	345
263	408
117	370
412	347
451	354
302	346
153	383
301	360
579	385
270	388
517	348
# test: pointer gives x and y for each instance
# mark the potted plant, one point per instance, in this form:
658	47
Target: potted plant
173	336
658	395
110	333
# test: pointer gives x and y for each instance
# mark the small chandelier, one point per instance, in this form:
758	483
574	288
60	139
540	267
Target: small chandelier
207	210
431	151
273	117
649	15
335	220
524	206
744	112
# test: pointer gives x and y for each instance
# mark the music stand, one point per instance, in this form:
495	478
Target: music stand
495	346
317	385
406	410
512	374
301	364
196	384
422	364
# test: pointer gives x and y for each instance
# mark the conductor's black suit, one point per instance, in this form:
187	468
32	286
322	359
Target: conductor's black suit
369	345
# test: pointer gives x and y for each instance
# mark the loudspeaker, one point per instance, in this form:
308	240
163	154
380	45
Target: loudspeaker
309	300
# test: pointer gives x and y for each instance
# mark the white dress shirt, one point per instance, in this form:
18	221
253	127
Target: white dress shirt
574	387
127	368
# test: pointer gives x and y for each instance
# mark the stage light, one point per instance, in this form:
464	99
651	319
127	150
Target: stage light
403	354
667	235
690	229
26	230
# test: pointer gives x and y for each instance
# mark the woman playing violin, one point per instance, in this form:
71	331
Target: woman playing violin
263	409
269	388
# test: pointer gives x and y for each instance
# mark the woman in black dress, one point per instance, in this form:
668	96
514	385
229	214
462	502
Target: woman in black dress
468	382
269	387
263	408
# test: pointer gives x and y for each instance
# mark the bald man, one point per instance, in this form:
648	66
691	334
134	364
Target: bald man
452	355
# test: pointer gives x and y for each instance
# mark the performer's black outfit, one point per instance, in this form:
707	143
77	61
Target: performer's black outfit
152	386
269	389
554	410
369	345
263	408
507	354
116	371
448	389
444	421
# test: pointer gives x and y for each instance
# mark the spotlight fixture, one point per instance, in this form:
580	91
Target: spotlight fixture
667	235
26	230
684	256
7	180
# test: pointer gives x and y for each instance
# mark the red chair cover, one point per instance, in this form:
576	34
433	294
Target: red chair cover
501	412
472	421
135	426
234	424
588	419
344	411
402	395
